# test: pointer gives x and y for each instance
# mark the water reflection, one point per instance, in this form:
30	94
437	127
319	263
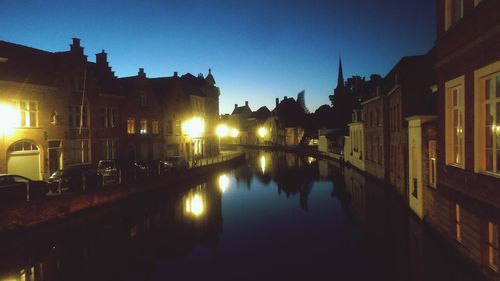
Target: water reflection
258	230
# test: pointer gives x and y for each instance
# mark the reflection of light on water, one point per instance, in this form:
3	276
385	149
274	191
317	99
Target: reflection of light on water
223	182
311	160
263	164
194	203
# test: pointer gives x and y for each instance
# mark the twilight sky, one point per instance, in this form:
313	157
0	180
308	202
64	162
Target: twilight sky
258	50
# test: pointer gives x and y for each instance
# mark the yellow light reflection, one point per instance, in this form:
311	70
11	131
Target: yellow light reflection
194	127
234	132
223	183
311	160
194	204
262	132
222	130
263	164
8	119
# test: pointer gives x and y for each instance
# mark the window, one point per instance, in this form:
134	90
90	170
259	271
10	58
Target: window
77	151
131	126
74	113
454	12
108	117
493	246
414	163
144	100
177	127
487	119
168	127
154	127
476	2
28	113
144	126
432	163
455	131
458	229
109	149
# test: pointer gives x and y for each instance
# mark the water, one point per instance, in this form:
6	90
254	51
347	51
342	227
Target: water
279	216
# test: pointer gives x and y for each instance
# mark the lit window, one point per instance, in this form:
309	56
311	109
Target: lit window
454	12
144	126
487	119
177	127
28	113
458	228
493	246
131	126
432	163
154	127
455	130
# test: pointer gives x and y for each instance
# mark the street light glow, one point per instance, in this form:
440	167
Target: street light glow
223	182
262	132
222	130
194	127
234	132
8	118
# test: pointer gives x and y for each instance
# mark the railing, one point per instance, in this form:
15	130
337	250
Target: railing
222	157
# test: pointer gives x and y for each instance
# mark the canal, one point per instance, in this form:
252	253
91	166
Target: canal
278	216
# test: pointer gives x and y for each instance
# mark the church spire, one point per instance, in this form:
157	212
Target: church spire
340	79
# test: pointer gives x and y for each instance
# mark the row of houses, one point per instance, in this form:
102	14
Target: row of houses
59	108
283	126
433	130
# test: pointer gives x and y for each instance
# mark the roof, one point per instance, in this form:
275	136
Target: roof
290	113
245	109
261	114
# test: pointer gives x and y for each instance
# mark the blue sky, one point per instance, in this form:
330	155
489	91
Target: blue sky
258	50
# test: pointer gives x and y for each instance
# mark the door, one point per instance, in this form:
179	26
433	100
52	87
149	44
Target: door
24	160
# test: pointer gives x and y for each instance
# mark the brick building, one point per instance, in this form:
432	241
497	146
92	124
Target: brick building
376	136
468	151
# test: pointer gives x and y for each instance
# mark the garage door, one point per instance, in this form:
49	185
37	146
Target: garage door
24	160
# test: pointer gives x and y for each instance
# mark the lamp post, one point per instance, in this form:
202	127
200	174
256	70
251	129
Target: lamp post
262	132
222	130
194	128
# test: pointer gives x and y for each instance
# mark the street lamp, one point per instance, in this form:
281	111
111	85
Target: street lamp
234	132
222	130
8	118
262	132
194	128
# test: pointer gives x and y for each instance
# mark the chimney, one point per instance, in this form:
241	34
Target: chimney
285	98
277	101
141	72
101	59
246	103
75	47
176	74
235	105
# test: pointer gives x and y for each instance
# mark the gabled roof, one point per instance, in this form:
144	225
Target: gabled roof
261	114
245	109
290	113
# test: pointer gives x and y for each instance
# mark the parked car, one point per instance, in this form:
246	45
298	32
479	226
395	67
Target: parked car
75	178
141	170
176	163
17	187
109	171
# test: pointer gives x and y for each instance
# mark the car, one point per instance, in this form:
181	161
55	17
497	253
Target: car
176	163
21	188
80	177
141	170
109	171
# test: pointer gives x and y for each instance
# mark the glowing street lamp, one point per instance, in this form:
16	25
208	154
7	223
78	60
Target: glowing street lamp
262	132
194	127
8	118
234	132
222	130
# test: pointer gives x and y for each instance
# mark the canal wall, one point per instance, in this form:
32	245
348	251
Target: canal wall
53	208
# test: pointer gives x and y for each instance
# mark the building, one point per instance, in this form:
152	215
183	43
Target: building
376	136
290	122
354	145
468	167
408	93
239	120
